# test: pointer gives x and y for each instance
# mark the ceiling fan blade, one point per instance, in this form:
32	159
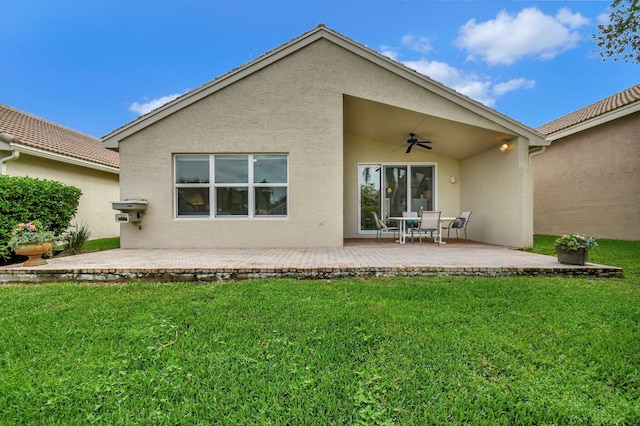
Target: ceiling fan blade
409	148
422	144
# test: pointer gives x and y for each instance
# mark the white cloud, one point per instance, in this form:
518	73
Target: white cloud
388	51
146	107
604	19
501	89
477	87
419	44
508	38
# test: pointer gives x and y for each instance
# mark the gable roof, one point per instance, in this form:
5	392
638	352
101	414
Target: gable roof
615	106
39	137
320	32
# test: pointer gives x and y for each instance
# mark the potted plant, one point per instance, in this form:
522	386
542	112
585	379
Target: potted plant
31	239
573	248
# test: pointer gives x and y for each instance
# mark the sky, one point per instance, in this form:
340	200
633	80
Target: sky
94	66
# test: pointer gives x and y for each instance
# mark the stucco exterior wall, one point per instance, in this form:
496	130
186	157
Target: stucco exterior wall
496	187
286	108
589	182
293	106
98	189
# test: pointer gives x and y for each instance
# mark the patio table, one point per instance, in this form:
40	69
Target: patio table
402	220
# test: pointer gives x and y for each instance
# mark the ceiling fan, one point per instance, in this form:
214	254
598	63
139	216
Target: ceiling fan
414	141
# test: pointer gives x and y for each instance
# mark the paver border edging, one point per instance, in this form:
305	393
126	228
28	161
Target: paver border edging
18	276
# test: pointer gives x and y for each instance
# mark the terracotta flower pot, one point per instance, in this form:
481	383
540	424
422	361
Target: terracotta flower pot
35	252
572	257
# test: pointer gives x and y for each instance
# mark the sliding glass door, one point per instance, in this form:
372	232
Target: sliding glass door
421	188
393	189
369	195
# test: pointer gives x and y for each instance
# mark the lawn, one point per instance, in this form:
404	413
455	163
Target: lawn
404	351
102	244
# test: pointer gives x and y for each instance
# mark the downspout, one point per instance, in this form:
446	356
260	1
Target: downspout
8	139
536	153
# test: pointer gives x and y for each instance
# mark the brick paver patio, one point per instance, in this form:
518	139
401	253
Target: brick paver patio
356	258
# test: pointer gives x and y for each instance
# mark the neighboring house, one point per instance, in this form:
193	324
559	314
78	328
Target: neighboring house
297	147
588	180
34	147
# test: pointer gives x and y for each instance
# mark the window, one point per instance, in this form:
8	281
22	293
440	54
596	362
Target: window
390	190
231	185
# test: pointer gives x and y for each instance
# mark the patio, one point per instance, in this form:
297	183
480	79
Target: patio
358	258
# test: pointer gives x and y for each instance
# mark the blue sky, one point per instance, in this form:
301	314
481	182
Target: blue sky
95	65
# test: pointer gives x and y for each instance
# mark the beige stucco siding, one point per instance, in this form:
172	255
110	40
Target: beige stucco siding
295	106
589	182
493	186
286	108
98	189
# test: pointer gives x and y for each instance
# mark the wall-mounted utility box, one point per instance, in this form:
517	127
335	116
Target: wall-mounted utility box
131	210
130	205
122	217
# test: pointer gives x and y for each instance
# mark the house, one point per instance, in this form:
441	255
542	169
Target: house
34	147
588	180
297	147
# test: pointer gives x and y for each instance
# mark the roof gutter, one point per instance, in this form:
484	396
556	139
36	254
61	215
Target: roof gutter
66	159
11	143
7	139
534	153
595	121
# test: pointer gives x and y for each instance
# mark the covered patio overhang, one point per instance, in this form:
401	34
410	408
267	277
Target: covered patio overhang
392	124
472	173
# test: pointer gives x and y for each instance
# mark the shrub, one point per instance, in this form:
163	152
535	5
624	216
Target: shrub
24	199
75	238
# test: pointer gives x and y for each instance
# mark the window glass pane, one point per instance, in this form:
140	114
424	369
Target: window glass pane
271	201
421	188
231	168
192	168
193	201
232	201
270	169
369	196
395	191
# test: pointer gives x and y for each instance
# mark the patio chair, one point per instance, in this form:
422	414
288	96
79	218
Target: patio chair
429	224
411	224
459	224
381	227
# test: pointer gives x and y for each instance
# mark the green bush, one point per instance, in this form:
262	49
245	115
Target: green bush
24	199
75	238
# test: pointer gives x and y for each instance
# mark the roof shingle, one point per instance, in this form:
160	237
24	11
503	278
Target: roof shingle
594	110
38	133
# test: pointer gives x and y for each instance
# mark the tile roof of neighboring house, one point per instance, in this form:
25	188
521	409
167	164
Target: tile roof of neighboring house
594	110
35	132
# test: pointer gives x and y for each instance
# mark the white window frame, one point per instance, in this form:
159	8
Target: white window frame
212	186
393	164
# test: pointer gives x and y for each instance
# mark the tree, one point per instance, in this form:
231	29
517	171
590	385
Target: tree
619	37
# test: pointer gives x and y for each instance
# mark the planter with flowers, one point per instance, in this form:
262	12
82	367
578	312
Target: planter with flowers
31	239
573	249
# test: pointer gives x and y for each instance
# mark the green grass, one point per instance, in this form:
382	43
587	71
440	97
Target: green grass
405	351
102	244
625	254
